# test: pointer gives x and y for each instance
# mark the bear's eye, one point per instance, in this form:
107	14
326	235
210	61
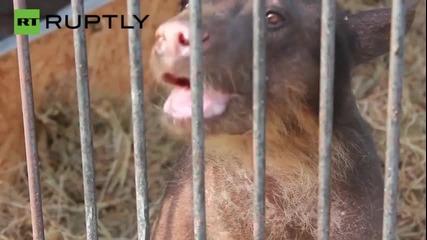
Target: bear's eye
274	19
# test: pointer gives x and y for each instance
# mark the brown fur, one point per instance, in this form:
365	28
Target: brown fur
291	189
291	132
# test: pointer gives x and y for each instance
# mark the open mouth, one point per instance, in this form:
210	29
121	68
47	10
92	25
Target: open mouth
180	82
179	103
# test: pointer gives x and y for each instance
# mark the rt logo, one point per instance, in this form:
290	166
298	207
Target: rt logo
27	21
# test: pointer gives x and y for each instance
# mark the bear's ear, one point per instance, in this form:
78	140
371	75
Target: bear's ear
372	29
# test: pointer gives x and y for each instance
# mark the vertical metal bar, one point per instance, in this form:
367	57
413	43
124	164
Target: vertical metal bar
259	95
85	120
327	74
198	131
393	119
25	79
138	121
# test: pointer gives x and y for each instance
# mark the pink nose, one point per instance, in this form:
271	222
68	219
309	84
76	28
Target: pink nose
173	39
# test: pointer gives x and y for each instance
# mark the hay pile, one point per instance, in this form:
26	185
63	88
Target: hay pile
371	84
59	149
62	186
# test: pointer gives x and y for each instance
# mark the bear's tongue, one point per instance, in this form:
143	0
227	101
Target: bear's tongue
179	104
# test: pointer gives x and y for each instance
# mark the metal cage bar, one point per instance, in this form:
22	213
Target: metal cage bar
259	112
396	71
138	121
327	74
196	77
198	134
25	80
83	94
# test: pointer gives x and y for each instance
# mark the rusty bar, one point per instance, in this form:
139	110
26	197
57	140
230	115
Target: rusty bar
85	119
198	126
25	79
259	95
138	121
396	72
327	74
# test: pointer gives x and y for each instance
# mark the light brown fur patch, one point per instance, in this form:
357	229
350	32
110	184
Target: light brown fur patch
292	183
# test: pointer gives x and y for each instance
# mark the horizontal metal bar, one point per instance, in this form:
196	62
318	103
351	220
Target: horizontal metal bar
138	121
85	121
25	79
198	126
259	112
327	74
396	72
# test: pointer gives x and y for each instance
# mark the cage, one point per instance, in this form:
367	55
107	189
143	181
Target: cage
53	72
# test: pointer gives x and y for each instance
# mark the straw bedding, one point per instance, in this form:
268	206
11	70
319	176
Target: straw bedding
62	186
